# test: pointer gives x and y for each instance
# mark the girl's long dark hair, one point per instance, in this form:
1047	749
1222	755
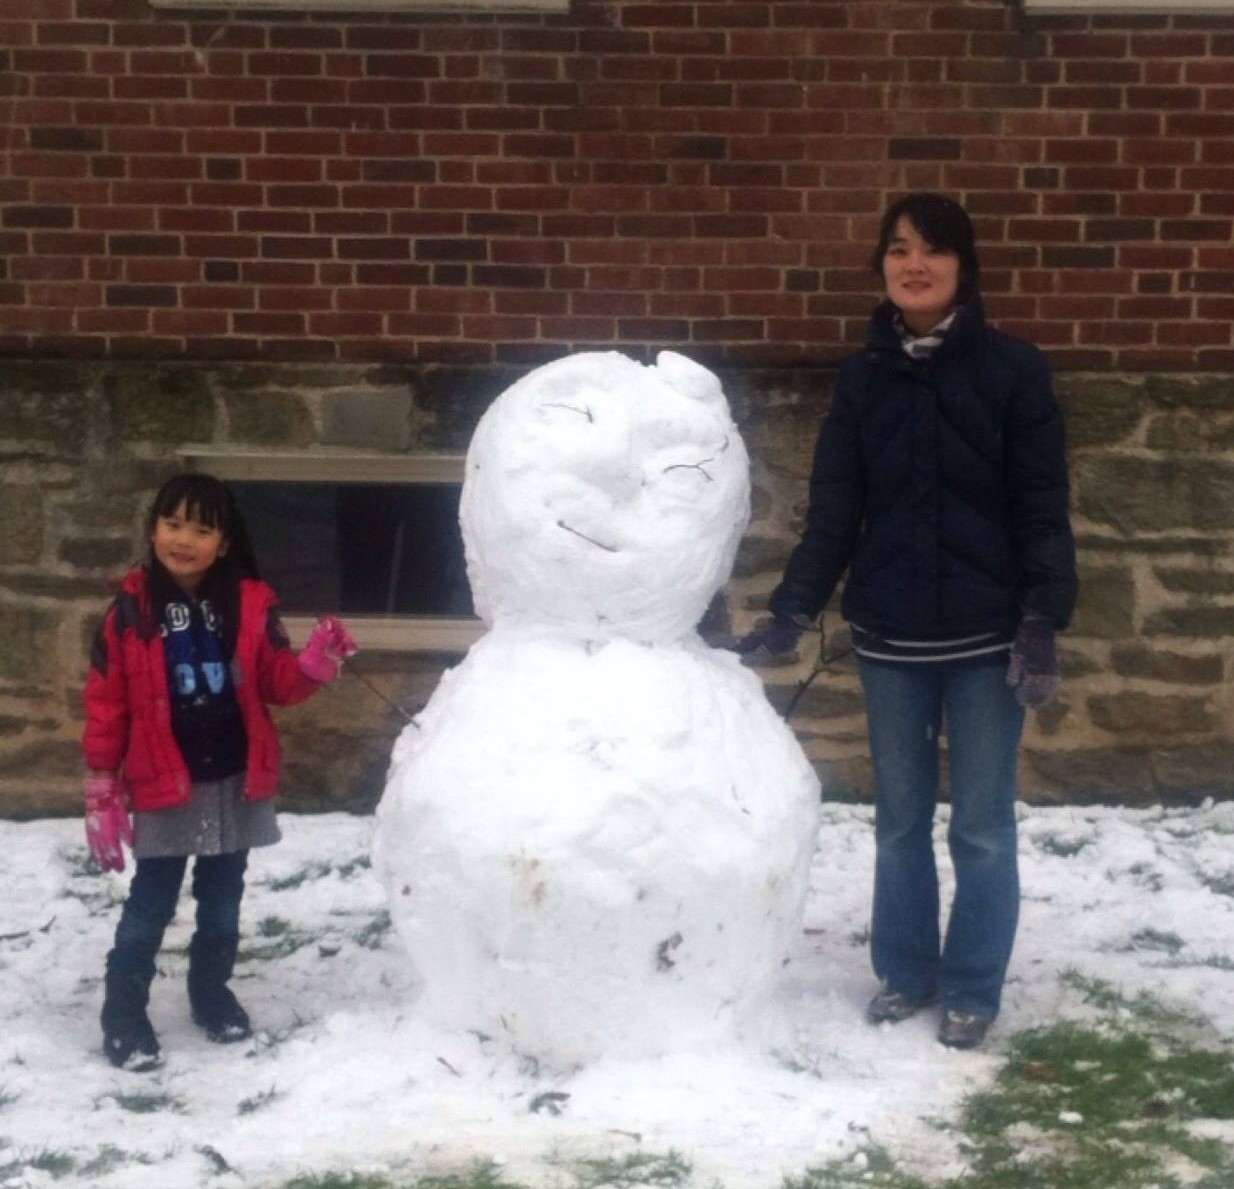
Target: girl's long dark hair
208	501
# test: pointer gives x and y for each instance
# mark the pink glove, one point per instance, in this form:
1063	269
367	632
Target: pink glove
328	644
107	821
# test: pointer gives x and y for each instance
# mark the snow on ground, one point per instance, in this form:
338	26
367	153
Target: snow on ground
342	1074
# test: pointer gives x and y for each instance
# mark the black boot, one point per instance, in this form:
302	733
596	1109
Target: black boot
128	1038
215	1008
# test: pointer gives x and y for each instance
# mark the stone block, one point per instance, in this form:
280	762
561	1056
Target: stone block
1211	393
50	421
1174	668
1105	606
22	515
1177	544
1095	775
450	401
160	403
54	586
29	635
1189	434
759	555
1204	623
1049	719
780	431
1100	410
1073	663
1196	772
374	420
1142	495
35	796
1149	716
49	757
820	701
98	553
274	419
1204	581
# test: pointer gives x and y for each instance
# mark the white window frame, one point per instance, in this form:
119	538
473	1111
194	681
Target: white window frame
1161	7
358	6
379	633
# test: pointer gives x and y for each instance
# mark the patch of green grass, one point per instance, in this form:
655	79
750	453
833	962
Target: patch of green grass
869	1167
633	1169
108	1159
318	870
275	938
1208	961
54	1164
1155	939
373	935
480	1176
1104	1105
251	1105
1060	845
146	1102
1222	885
339	1180
1144	1008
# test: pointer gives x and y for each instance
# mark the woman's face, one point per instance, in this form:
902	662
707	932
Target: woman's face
921	280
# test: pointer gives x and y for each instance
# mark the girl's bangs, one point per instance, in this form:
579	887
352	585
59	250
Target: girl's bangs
203	497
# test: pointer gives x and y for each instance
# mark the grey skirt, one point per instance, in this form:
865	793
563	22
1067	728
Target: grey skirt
216	821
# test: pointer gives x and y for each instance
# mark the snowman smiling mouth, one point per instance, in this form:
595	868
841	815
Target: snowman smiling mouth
585	537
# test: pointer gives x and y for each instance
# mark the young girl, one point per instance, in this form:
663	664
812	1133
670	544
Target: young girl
181	670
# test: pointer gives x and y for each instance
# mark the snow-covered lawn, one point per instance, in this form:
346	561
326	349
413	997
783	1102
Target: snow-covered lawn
343	1076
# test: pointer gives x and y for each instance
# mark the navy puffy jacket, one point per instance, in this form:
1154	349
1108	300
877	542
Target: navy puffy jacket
941	486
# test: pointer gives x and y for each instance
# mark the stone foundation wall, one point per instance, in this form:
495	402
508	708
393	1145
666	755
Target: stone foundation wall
1146	714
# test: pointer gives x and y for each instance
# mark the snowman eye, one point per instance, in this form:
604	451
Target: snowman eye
701	465
692	466
585	412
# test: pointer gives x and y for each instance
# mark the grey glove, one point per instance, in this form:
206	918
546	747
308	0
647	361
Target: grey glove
1033	670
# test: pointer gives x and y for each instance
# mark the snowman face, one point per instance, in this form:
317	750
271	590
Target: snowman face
603	498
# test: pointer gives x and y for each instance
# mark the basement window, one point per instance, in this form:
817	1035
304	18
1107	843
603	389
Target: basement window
1130	7
372	538
343	7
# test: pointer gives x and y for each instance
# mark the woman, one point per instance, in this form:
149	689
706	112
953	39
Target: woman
940	486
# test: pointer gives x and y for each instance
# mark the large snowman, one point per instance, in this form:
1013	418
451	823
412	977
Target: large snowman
596	836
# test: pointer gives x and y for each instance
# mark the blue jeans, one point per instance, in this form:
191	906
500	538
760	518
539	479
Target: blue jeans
906	706
218	887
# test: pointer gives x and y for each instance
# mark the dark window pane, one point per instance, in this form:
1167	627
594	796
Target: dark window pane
368	548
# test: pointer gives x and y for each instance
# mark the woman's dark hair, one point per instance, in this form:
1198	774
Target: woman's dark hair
943	223
208	501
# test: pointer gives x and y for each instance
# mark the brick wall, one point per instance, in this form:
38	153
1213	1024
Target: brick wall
479	189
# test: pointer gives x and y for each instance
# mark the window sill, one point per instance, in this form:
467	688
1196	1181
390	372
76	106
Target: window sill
375	633
319	466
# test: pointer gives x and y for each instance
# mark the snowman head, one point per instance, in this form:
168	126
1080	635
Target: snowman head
604	498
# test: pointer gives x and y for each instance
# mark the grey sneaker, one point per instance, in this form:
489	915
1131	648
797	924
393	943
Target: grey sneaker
962	1029
890	1007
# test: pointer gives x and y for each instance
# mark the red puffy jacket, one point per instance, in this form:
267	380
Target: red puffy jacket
128	710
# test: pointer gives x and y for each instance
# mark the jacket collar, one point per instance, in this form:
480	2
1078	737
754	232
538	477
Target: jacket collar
884	340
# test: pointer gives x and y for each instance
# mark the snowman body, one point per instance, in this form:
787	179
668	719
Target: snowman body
596	837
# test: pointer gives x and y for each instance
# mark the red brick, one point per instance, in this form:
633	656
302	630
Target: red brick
286	323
